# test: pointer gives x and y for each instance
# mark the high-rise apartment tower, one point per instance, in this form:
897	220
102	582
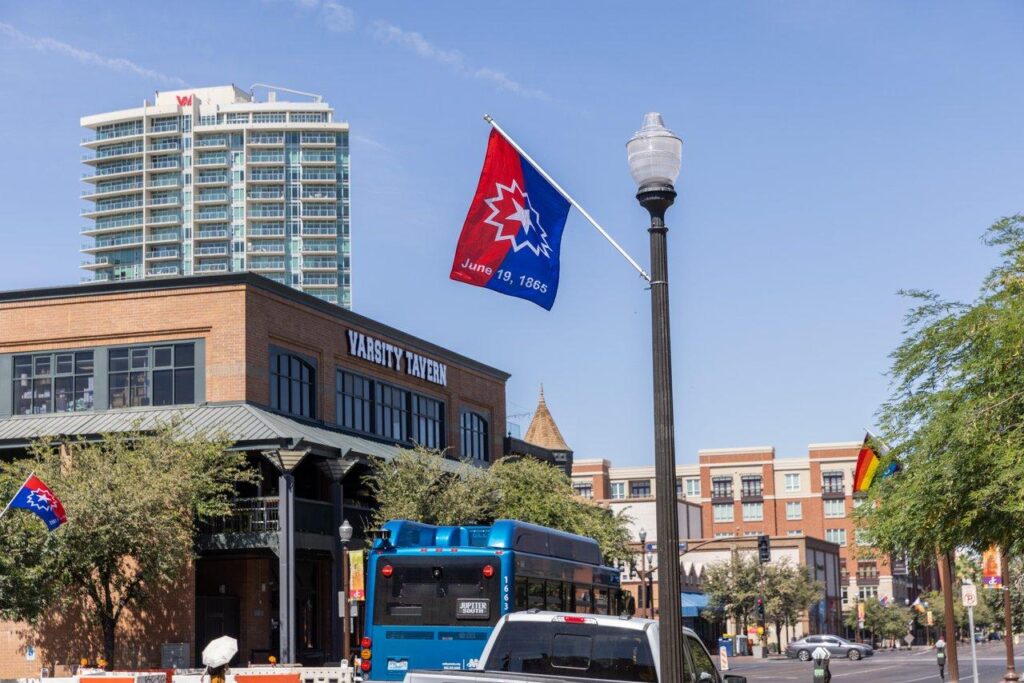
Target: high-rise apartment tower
210	180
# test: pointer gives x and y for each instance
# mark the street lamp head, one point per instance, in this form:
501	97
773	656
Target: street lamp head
655	153
345	532
643	536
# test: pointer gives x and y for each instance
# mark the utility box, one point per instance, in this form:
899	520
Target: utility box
174	656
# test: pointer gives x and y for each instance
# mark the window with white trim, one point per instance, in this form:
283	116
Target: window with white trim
723	512
837	536
835	507
693	487
753	512
618	490
792	481
794	509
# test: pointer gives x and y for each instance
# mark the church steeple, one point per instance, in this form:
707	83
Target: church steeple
543	431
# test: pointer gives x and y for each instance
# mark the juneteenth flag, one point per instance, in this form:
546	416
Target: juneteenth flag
36	497
513	232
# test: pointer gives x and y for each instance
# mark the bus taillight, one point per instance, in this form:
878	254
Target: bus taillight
365	642
366	655
387	570
365	666
488	571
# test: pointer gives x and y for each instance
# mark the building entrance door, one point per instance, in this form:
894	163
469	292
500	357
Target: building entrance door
216	616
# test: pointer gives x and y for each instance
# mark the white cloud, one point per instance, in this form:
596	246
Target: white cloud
338	18
51	45
389	33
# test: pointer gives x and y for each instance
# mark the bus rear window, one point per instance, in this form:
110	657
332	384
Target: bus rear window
573	651
437	591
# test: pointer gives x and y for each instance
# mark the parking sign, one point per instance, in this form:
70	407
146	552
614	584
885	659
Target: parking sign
969	594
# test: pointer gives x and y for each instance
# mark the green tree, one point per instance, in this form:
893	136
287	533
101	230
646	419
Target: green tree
416	486
953	418
132	501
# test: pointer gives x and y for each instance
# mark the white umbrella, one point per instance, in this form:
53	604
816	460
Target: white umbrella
220	651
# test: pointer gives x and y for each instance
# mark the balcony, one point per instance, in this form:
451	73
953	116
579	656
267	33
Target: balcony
320	281
112	188
119	152
164	127
165	218
266	158
832	489
211	234
319	231
266	211
165	200
211	160
110	207
214	142
264	193
319	211
162	163
721	494
211	268
266	175
98	262
266	139
211	215
266	230
265	248
162	271
166	145
206	251
212	179
159	254
165	180
212	197
266	264
319	264
318	139
323	193
117	133
319	157
119	242
259	516
319	248
112	172
164	236
318	174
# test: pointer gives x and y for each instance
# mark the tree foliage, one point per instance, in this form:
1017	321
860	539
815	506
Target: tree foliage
416	486
890	622
954	418
132	500
733	587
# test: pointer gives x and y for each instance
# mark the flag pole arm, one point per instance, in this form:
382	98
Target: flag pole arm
501	131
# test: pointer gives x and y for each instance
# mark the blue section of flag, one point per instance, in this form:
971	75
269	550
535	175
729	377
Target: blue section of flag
35	497
531	271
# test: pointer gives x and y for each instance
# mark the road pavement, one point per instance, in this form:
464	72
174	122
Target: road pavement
917	666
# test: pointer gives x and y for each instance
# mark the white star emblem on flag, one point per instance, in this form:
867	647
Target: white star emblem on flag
518	214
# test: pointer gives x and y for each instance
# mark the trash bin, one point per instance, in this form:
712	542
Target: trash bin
725	644
742	647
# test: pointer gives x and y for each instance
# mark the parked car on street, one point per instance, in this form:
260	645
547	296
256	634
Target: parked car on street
836	646
554	647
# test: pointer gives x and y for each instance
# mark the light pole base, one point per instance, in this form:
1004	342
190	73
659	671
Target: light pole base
1010	676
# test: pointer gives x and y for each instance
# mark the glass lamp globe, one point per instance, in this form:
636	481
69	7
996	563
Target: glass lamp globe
345	532
655	153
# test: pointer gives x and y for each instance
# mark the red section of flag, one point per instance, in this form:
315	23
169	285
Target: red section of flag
479	254
867	463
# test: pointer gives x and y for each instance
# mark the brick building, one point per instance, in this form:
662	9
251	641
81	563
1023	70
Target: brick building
309	390
745	492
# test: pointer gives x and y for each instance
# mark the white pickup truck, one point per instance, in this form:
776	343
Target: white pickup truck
549	647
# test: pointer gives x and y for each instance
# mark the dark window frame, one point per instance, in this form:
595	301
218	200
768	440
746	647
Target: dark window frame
474	435
294	395
82	373
168	368
358	407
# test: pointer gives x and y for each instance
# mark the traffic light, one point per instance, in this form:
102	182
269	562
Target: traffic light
764	551
760	611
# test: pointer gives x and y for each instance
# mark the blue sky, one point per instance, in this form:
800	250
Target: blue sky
834	154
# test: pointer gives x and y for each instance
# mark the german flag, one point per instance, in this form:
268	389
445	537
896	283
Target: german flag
867	465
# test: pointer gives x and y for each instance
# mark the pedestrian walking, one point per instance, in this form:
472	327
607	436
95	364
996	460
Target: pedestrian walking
940	657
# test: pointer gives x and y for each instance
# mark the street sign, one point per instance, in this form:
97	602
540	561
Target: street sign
653	547
969	594
908	639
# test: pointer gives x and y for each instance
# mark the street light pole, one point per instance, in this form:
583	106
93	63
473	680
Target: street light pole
655	155
643	573
345	534
1011	671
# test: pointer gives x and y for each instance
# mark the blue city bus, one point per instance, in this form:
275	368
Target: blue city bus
434	593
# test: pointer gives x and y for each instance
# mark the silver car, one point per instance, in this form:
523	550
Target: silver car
836	646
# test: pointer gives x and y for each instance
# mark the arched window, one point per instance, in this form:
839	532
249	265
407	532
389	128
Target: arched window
473	435
292	385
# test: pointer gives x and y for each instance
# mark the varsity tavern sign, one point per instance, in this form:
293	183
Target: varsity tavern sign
396	358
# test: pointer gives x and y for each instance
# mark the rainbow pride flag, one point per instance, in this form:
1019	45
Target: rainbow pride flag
867	465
